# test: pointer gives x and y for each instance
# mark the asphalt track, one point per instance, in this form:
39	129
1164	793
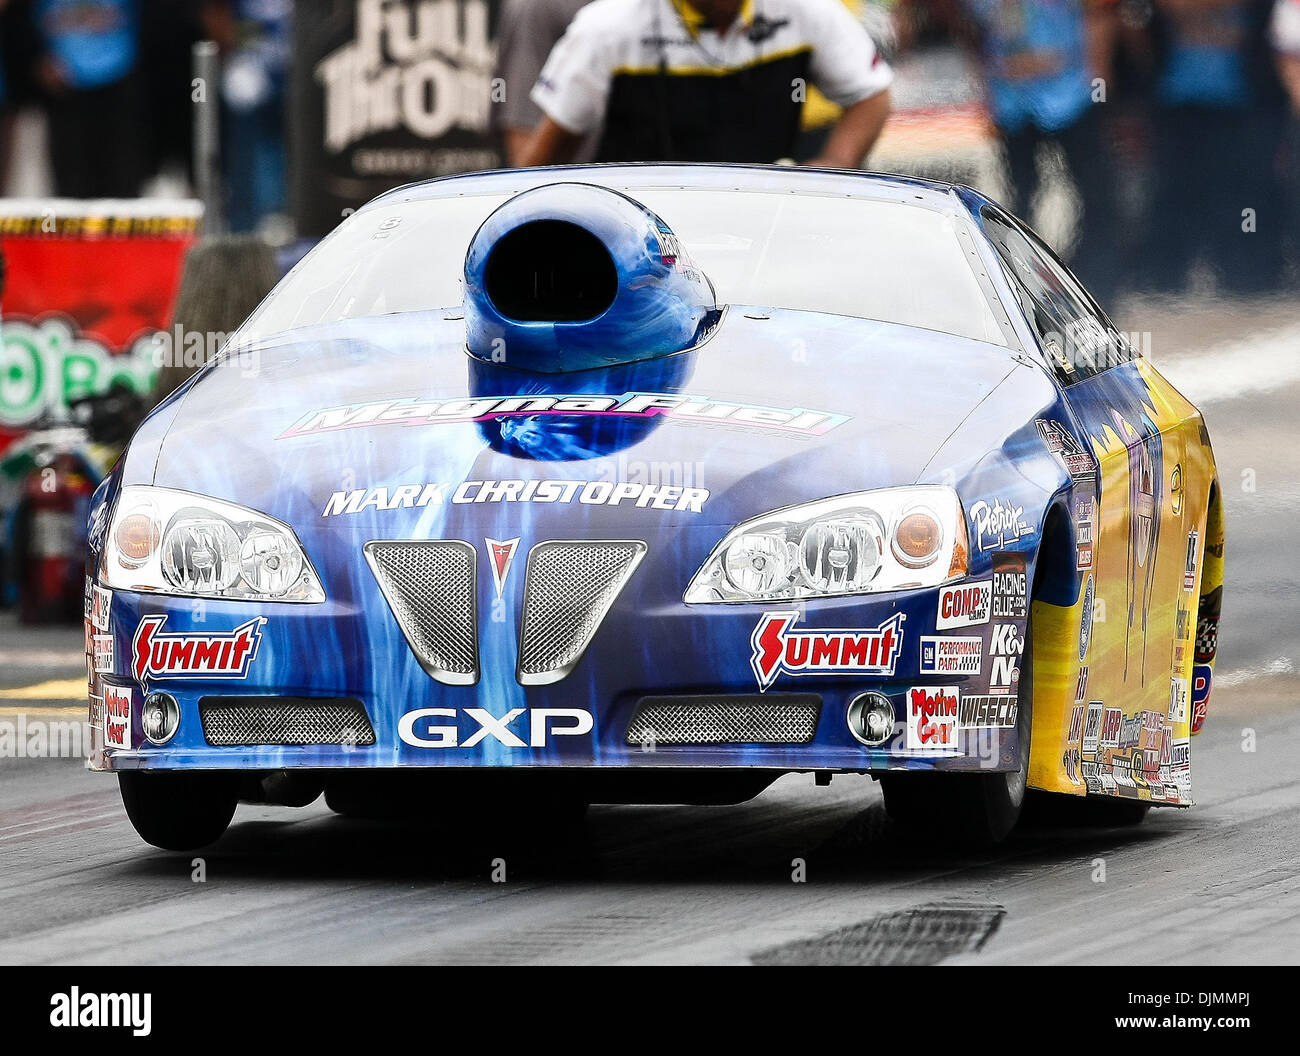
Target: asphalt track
1216	884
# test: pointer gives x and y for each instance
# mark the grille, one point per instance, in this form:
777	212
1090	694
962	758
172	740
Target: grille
284	720
430	588
568	589
787	719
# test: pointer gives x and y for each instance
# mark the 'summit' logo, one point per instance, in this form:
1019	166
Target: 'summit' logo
779	648
223	655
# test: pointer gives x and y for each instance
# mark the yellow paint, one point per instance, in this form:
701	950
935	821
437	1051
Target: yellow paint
43	713
55	689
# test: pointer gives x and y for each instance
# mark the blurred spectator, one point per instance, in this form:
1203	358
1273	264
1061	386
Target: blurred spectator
224	279
1039	59
1286	41
88	69
253	37
1217	129
526	33
708	80
168	32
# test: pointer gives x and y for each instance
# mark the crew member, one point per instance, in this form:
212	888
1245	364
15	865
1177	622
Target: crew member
708	80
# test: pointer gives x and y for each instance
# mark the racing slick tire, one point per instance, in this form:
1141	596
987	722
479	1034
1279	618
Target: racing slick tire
970	809
179	810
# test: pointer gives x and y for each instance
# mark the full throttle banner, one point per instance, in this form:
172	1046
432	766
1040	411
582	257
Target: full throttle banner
88	286
387	92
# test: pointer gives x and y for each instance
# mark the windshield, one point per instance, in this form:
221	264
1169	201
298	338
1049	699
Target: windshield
894	262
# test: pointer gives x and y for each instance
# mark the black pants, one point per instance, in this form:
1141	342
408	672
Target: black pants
1093	258
95	141
1217	197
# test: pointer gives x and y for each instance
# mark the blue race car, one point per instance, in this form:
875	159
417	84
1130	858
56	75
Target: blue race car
652	484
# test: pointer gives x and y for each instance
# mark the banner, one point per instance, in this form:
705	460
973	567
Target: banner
87	286
386	92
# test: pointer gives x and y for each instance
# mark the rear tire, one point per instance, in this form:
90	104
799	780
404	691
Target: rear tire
179	810
974	810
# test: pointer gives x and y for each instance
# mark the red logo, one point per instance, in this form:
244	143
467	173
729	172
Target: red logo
500	556
778	648
225	655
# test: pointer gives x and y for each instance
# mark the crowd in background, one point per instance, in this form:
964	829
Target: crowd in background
1178	121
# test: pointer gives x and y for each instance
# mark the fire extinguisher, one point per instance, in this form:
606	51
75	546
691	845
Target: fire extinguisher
50	540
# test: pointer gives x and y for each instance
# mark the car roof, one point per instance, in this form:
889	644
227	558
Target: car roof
775	179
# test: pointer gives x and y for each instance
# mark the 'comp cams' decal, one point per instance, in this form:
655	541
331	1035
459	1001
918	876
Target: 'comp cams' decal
192	655
778	648
964	605
418	412
589	493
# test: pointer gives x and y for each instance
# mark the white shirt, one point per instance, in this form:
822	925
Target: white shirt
611	36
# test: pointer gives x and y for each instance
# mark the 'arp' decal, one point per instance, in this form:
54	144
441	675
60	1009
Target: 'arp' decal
188	655
778	648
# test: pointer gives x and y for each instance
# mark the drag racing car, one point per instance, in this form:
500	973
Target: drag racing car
653	484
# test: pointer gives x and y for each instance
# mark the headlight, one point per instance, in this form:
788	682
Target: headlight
172	542
863	543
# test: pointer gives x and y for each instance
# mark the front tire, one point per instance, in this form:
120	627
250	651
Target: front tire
976	810
179	810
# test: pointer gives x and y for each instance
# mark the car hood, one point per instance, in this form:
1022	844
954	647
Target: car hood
774	408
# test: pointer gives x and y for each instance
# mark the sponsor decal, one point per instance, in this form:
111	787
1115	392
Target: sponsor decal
987	713
951	656
102	651
999	524
779	649
1071	761
1178	698
964	605
1189	562
1207	639
1010	594
1202	676
101	601
193	655
1092	726
426	728
1112	724
416	412
1083	546
1005	647
587	493
1081	684
1085	624
1067	450
501	555
1180	754
117	716
1130	732
932	718
1076	724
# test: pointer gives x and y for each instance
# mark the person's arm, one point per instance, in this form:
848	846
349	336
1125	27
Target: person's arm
850	72
855	133
549	144
1101	29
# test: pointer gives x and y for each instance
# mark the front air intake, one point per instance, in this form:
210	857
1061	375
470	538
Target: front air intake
230	722
430	586
789	718
569	588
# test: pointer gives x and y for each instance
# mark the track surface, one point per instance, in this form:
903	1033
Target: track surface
1214	884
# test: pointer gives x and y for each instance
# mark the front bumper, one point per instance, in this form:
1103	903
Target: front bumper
351	649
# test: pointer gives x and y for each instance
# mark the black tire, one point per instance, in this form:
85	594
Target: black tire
181	810
969	809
